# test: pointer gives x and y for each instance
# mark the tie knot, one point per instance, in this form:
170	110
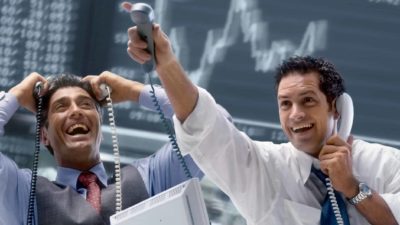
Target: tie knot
86	178
319	174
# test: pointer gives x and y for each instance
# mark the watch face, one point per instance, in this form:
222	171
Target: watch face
365	189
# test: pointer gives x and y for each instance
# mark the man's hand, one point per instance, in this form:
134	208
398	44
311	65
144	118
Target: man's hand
121	89
336	162
137	47
24	91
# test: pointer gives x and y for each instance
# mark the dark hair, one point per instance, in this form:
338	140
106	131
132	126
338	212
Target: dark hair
330	81
56	82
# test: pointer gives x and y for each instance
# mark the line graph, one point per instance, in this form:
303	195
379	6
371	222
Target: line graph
243	18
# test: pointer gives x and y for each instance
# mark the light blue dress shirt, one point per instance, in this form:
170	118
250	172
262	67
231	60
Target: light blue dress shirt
159	171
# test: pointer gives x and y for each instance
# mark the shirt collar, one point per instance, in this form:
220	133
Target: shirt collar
69	177
304	163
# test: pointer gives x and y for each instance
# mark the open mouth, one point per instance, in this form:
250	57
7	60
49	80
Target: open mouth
77	129
302	128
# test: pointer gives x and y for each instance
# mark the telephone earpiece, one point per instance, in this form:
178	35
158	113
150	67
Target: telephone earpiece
37	89
143	16
105	90
344	106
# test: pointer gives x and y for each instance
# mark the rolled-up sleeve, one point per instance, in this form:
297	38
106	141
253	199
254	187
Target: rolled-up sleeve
228	157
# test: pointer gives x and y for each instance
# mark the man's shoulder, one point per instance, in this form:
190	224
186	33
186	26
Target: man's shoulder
372	151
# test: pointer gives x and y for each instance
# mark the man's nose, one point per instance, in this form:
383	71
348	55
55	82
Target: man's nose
75	110
297	113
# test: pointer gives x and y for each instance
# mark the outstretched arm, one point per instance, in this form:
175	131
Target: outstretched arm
180	90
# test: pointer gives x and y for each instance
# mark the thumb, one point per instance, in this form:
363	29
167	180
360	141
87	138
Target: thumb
127	6
350	140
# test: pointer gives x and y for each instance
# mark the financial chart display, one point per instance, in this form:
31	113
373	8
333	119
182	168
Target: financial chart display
232	48
229	47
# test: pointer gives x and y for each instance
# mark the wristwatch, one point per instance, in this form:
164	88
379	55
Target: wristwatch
364	193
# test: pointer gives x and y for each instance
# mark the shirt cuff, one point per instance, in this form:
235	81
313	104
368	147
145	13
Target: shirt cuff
197	124
8	106
146	100
393	201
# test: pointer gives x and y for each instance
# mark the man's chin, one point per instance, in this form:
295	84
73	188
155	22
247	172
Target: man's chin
306	148
79	146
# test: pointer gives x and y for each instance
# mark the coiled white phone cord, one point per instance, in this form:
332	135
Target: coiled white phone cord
117	172
332	199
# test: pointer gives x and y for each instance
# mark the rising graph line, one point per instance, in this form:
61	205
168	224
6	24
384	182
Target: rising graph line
245	18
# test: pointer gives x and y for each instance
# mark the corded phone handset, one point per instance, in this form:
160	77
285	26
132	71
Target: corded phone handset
142	15
106	94
344	106
183	203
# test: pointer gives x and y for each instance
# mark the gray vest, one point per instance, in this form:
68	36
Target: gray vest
59	205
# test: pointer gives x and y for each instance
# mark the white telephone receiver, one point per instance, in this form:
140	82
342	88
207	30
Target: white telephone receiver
344	106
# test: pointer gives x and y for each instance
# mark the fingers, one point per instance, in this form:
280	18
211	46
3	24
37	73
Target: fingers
350	140
137	47
25	89
96	81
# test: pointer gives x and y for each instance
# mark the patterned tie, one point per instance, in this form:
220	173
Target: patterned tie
328	212
89	181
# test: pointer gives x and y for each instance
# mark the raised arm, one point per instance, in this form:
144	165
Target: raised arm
15	182
181	91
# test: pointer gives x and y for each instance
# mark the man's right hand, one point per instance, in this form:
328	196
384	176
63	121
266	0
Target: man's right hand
137	47
122	88
24	91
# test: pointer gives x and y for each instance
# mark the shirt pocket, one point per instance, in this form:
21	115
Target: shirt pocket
300	214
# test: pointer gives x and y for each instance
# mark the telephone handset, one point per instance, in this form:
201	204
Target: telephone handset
344	106
143	16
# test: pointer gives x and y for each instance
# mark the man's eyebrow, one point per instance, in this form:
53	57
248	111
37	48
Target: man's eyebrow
307	92
79	97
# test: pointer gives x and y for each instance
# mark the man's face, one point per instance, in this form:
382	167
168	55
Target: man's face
73	129
304	113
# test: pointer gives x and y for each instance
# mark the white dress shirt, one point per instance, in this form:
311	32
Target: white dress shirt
266	181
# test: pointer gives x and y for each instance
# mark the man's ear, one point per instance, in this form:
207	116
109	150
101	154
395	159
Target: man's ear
336	114
43	136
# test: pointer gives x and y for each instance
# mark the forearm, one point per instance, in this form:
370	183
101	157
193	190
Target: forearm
376	211
181	91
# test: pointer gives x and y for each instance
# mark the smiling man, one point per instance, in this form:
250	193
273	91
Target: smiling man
281	183
71	130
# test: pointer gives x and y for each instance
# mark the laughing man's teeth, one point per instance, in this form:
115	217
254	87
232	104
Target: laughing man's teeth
302	127
79	125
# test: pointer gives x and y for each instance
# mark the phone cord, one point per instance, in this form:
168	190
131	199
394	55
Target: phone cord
117	163
332	199
32	193
169	131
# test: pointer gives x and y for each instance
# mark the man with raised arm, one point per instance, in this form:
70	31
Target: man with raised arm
283	183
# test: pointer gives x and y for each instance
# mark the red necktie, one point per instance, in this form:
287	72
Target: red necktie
89	181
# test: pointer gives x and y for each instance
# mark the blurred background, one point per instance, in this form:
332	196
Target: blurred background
229	47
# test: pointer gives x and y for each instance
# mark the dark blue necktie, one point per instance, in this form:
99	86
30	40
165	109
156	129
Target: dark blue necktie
328	211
